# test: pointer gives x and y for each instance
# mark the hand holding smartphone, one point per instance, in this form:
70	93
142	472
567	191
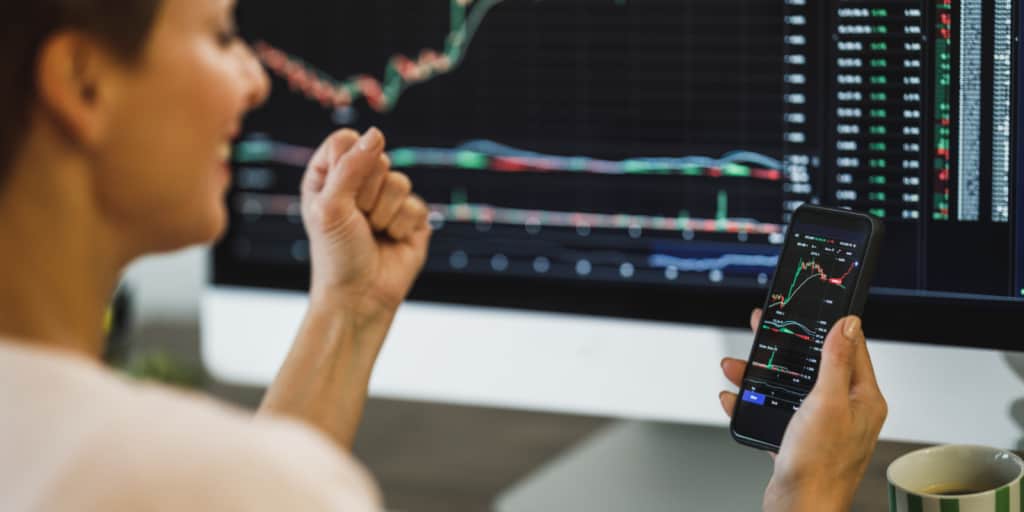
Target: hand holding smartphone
823	275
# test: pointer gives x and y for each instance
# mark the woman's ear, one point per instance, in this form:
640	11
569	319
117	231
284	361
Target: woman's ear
76	79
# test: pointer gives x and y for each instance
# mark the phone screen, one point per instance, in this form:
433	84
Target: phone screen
812	289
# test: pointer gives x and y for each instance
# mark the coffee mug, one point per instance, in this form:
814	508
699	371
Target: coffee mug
956	478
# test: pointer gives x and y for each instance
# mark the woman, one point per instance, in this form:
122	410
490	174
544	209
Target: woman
114	143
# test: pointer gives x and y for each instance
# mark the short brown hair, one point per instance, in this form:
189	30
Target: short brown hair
123	25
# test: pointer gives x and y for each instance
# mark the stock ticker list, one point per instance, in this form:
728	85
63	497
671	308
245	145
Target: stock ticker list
904	109
871	125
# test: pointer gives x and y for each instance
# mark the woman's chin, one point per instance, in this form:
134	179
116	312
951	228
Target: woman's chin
205	230
216	224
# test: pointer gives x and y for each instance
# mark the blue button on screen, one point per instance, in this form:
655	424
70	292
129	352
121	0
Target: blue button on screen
754	398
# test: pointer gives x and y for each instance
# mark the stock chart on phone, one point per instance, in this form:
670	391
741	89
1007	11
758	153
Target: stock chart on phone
811	291
654	143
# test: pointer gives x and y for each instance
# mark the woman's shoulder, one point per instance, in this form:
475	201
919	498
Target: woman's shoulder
172	442
94	432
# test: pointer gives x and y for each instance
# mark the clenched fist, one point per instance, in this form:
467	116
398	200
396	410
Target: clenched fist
368	234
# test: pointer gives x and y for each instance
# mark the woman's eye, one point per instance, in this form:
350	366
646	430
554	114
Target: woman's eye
227	37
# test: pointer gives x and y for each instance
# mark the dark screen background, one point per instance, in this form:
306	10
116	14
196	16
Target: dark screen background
609	80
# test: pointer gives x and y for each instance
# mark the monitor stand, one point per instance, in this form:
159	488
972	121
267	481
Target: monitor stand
652	467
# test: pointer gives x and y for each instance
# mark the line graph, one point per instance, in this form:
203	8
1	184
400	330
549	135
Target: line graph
494	156
708	264
461	210
489	214
485	155
782	369
817	273
780	361
787	327
489	156
401	72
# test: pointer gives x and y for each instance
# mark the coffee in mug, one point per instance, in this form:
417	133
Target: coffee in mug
956	478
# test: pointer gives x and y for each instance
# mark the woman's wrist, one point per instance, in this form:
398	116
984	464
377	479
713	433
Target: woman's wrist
358	324
355	307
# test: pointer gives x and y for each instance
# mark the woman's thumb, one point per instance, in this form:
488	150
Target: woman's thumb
838	354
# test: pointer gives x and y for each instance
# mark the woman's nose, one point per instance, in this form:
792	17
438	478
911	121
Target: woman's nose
256	77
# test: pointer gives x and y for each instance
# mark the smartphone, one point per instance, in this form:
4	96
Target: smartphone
823	274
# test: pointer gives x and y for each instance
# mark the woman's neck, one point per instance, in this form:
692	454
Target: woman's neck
59	261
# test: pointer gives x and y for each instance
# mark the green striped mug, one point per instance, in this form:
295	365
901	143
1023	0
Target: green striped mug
956	478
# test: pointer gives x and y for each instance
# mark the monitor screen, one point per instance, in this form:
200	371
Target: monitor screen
642	157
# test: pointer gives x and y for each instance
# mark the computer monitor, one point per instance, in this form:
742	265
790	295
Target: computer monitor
640	158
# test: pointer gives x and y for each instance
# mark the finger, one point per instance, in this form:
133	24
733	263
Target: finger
411	216
734	370
349	173
755	319
728	401
419	241
336	144
371	189
865	392
863	370
839	355
394	192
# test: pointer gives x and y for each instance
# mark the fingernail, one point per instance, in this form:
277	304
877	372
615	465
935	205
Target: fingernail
722	364
371	139
852	328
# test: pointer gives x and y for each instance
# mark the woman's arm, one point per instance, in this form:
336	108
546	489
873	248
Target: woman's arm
324	380
368	241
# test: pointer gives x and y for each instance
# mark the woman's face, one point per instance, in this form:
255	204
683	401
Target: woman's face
163	170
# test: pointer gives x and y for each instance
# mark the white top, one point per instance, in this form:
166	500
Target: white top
75	436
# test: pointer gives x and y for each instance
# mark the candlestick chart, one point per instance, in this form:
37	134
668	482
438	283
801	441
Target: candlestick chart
569	139
401	72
